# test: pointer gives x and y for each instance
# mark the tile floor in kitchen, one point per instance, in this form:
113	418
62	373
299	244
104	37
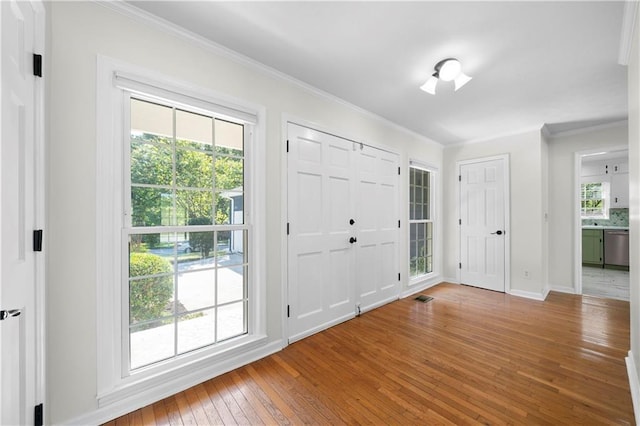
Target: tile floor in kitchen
609	283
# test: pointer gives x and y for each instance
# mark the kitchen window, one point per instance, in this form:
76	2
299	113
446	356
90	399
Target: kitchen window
594	200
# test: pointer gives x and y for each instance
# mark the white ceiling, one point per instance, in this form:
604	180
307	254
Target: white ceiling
532	62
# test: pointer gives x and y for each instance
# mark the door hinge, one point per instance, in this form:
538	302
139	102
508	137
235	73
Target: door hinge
398	276
459	221
459	178
287	145
287	228
37	65
460	265
288	311
37	240
398	224
398	171
37	417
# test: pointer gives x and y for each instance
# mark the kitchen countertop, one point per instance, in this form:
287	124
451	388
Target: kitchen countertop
605	227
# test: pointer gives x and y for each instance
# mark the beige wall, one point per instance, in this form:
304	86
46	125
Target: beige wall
525	155
79	32
562	189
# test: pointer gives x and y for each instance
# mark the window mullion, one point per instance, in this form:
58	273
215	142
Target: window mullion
214	156
174	220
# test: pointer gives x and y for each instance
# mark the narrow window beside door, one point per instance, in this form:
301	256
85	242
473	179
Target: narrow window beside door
420	222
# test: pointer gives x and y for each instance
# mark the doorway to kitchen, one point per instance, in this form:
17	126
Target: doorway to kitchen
602	218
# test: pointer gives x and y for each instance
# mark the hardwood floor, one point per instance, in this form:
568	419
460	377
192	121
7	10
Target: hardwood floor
468	356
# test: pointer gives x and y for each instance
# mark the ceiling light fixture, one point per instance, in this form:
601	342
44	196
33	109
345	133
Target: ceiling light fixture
449	69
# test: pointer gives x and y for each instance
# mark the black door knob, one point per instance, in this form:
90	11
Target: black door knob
351	221
497	232
353	240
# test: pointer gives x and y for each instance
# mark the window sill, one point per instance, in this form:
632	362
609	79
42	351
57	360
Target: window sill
200	367
421	279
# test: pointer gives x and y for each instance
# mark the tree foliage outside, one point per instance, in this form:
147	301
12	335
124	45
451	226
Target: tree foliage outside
195	200
148	297
201	241
592	201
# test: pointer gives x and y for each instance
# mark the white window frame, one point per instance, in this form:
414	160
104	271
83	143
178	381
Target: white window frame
114	383
433	175
606	196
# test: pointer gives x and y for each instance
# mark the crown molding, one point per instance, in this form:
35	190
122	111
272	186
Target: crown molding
589	129
626	35
161	24
494	137
546	132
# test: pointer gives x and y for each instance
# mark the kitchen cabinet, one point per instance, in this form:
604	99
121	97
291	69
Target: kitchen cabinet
593	168
619	190
592	247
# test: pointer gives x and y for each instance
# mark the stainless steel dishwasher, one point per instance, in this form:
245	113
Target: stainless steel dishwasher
616	247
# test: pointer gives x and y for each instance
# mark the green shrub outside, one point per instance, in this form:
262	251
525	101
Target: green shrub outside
148	297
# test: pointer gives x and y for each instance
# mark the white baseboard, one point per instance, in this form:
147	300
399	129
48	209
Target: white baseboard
634	384
451	280
106	413
420	286
563	289
530	294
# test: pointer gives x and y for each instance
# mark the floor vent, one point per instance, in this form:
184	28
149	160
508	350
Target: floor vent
424	299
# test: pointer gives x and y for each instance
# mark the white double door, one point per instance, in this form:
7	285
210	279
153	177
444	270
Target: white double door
483	213
343	230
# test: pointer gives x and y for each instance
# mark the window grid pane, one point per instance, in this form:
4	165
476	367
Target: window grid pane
420	226
592	200
187	290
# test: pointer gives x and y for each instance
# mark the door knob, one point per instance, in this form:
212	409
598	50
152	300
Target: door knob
497	232
353	240
351	221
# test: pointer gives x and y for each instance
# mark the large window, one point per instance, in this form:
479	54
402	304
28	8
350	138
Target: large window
180	255
187	267
594	198
420	222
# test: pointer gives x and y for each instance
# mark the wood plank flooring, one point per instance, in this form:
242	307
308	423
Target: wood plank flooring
469	356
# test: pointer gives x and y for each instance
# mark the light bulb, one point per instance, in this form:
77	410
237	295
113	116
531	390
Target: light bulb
450	70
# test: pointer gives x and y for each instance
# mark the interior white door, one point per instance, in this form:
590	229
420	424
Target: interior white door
377	226
321	270
17	215
482	227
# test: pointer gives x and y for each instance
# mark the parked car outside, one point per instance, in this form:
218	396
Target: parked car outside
184	247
